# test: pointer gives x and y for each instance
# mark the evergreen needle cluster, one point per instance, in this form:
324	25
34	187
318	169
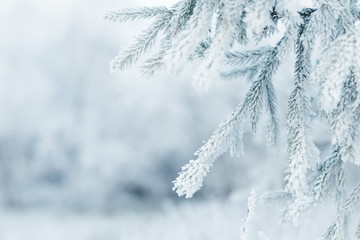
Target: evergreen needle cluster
214	31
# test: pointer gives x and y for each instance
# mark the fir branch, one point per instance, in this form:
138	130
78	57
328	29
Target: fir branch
262	89
255	97
254	100
288	11
267	32
224	37
125	15
337	231
273	125
329	176
333	68
153	64
301	150
191	177
247	57
343	120
242	37
258	16
144	42
297	207
195	32
181	13
202	47
247	72
250	213
327	180
330	21
186	36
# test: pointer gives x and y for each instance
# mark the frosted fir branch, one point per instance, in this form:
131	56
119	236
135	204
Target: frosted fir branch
144	42
249	215
221	43
330	21
242	36
191	177
267	32
323	21
258	15
343	120
333	68
237	147
262	89
357	233
247	72
329	176
180	15
327	180
338	231
233	8
186	36
296	209
172	21
202	47
153	64
301	149
125	15
248	57
289	10
156	62
345	20
273	123
195	32
254	101
182	11
255	97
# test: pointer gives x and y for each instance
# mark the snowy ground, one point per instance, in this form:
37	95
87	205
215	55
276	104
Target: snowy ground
198	221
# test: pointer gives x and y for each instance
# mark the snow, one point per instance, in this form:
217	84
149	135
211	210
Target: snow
209	220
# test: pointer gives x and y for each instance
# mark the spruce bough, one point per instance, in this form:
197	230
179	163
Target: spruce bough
332	27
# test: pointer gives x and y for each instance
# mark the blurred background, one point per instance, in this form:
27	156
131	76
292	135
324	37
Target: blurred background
89	155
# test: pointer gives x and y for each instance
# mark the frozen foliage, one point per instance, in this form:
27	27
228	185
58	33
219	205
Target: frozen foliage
213	31
133	14
301	149
249	215
337	231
